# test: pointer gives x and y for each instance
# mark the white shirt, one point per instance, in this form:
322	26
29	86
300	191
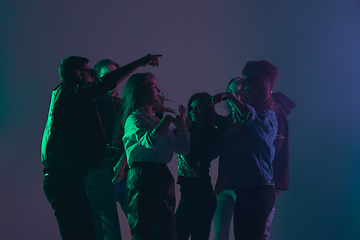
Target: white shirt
144	144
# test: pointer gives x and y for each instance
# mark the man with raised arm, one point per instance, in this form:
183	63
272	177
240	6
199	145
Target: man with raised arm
74	140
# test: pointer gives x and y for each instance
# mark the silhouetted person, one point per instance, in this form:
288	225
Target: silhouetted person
252	153
226	199
150	144
74	140
98	184
282	108
197	205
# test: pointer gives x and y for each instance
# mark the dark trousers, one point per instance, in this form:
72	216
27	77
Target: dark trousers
252	208
196	210
151	197
67	197
100	192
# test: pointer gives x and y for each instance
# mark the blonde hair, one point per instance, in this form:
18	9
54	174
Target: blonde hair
132	94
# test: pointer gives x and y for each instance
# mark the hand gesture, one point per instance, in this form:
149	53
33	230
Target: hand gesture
119	168
150	60
118	173
215	99
222	179
180	119
220	185
182	111
162	98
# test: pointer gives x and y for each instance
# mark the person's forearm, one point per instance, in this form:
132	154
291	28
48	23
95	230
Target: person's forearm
119	169
241	108
123	160
122	73
163	126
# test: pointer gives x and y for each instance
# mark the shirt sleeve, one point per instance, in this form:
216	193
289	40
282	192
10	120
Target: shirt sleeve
262	125
182	142
94	89
137	130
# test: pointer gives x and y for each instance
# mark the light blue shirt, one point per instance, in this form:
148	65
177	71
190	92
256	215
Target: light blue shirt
144	144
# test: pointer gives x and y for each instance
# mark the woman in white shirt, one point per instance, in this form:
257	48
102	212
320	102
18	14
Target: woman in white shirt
150	144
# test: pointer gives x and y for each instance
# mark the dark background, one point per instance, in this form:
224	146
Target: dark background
314	43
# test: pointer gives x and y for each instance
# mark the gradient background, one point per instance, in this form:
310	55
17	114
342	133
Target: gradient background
314	43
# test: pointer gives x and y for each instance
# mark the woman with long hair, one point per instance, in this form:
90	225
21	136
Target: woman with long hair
226	199
198	203
252	153
150	144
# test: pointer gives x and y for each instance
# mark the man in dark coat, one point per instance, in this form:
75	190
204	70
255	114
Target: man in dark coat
74	140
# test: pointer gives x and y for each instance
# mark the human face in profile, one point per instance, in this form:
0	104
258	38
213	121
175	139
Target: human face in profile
196	111
247	94
86	74
151	95
234	89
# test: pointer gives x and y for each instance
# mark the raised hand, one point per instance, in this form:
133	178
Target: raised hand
217	98
150	60
162	98
180	119
182	111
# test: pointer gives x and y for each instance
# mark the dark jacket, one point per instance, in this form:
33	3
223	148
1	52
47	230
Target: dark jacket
73	138
204	149
224	124
110	112
282	108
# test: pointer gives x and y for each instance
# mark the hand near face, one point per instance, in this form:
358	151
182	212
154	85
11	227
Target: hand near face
217	98
182	111
161	98
180	119
150	59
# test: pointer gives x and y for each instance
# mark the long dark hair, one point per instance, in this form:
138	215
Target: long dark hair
208	108
133	91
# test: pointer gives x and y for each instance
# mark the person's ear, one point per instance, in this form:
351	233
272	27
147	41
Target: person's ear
78	73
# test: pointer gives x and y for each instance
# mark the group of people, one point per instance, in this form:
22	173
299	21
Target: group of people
98	148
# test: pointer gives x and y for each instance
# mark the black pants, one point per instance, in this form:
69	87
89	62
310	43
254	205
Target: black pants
151	197
196	209
252	207
100	192
67	197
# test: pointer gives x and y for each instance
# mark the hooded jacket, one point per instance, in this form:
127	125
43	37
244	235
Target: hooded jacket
282	108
